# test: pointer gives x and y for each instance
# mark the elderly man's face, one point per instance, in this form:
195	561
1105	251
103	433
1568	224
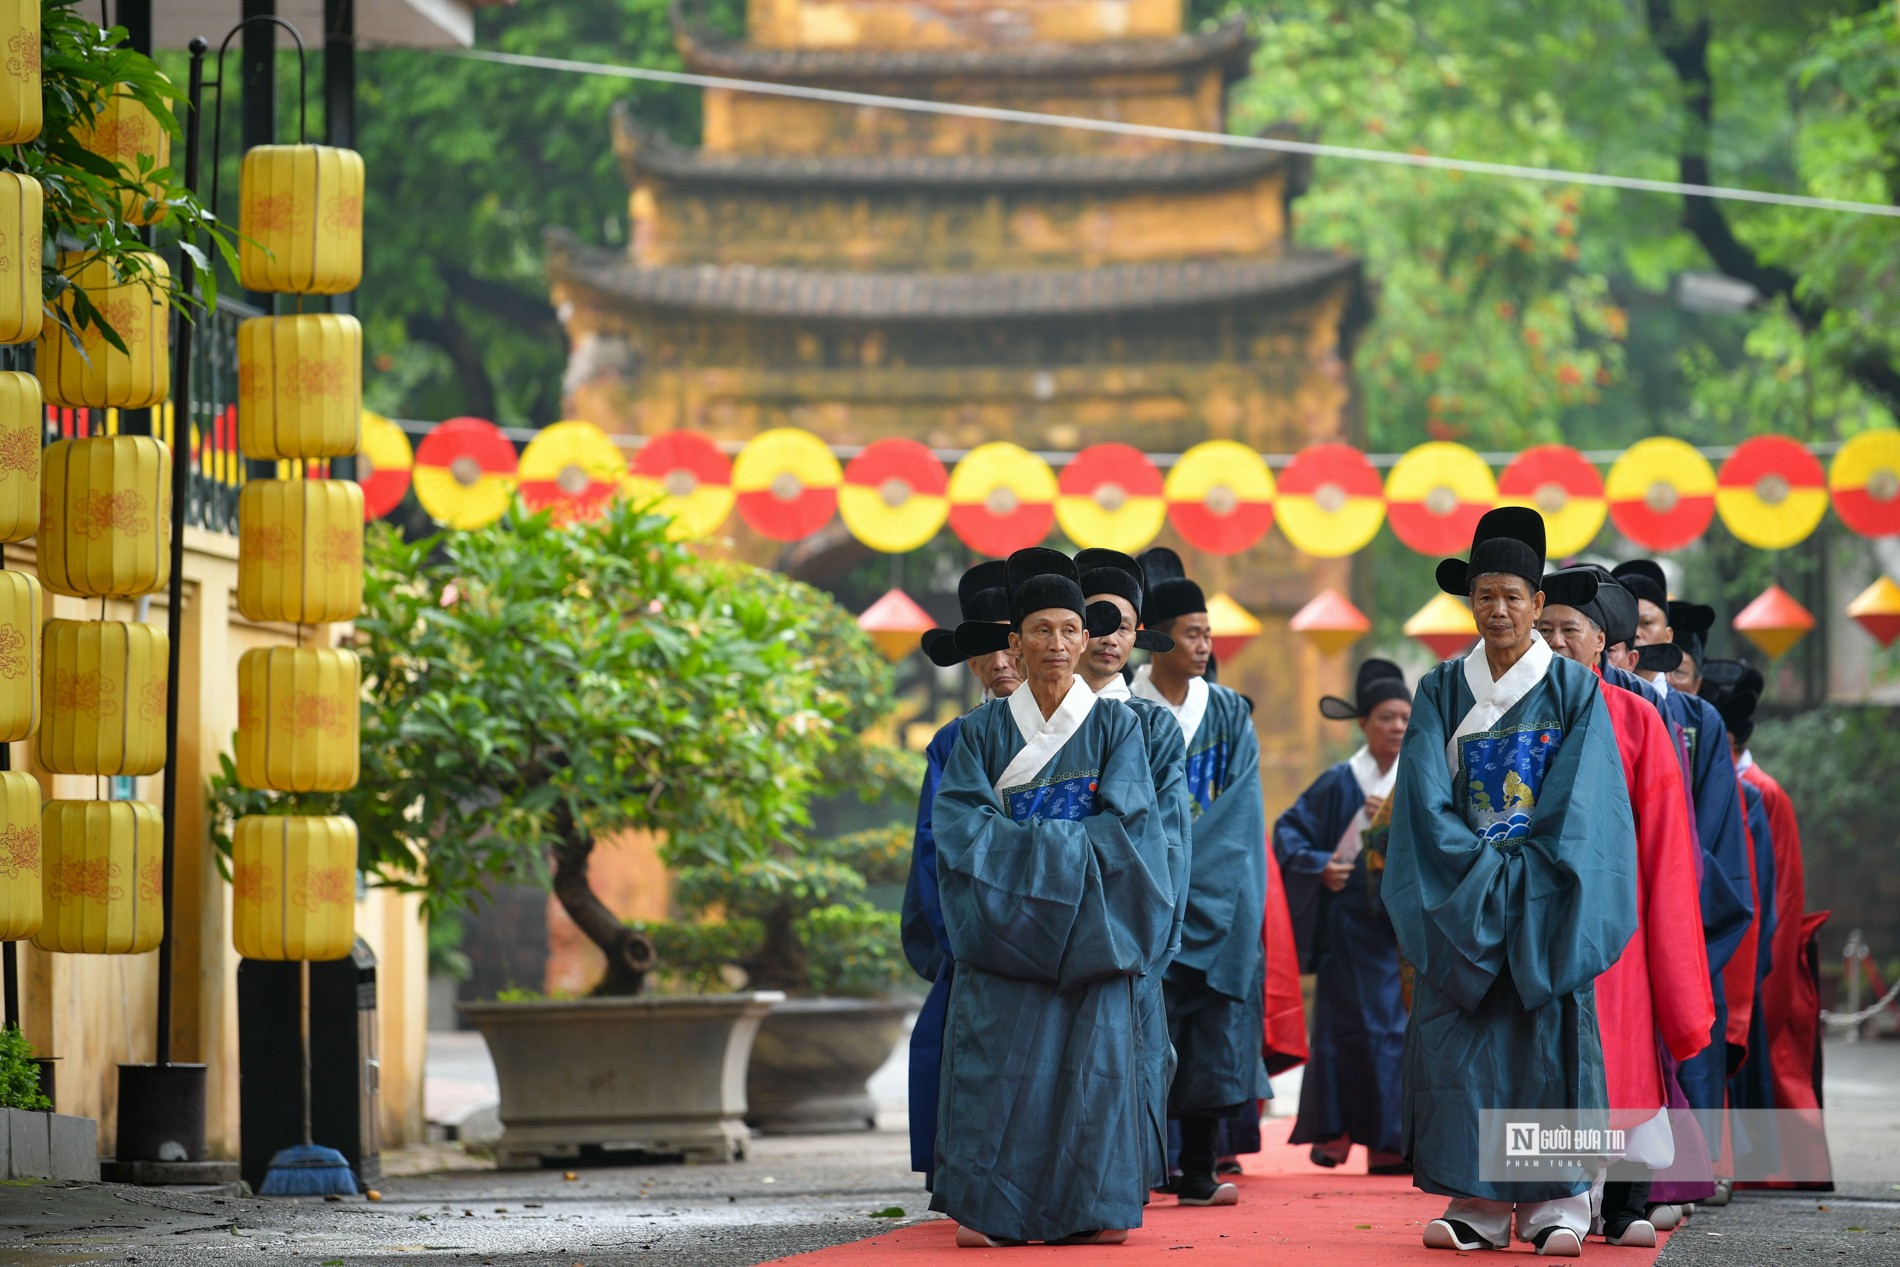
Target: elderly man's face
1107	655
1050	645
1506	609
1570	633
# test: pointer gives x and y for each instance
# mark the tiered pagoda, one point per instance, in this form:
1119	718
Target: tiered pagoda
866	272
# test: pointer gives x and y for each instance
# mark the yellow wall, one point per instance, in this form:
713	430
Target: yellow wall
94	1012
954	23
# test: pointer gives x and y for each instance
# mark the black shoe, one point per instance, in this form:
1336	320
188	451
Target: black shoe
1452	1234
1227	1167
1391	1168
1558	1242
1168	1189
1206	1190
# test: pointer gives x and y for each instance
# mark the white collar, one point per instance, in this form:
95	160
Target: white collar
1745	762
1189	713
1365	772
1494	698
1661	683
1043	738
1114	688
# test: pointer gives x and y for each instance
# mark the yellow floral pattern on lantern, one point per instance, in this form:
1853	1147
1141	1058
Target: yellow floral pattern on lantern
124	132
300	550
105	516
300	219
21	91
22	612
22	304
21	899
300	386
98	375
22	418
101	679
293	882
298	719
101	878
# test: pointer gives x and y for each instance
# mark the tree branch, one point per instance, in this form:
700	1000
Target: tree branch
1684	44
464	353
629	954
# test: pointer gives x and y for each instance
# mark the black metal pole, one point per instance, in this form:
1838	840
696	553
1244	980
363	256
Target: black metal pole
339	127
10	951
136	17
181	491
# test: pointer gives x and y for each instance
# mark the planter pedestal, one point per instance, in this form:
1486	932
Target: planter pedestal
812	1060
663	1076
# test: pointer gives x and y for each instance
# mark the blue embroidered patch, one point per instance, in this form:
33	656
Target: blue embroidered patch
1207	774
1065	798
1501	773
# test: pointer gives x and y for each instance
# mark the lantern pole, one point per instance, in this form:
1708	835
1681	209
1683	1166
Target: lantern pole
175	616
9	951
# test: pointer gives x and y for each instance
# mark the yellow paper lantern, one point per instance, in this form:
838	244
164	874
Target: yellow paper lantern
22	211
297	719
97	375
293	886
20	90
106	516
22	424
20	898
300	550
101	878
300	386
125	132
300	219
22	610
105	683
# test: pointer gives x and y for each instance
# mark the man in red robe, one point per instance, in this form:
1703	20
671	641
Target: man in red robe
1790	997
1659	988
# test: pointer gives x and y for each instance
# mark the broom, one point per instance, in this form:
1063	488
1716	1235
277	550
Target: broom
307	1169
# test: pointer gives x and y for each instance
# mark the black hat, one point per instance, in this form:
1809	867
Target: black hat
1613	610
1644	578
1510	539
1722	678
1692	645
1379	681
1112	572
1170	593
1038	579
982	595
1738	713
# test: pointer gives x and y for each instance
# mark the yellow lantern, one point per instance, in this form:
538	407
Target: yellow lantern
125	132
20	898
22	609
22	424
101	878
20	92
97	375
297	719
105	683
300	386
293	886
300	219
106	516
300	550
22	210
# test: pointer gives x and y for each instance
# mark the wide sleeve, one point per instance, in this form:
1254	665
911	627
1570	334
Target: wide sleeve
1228	900
1556	905
1167	761
1304	838
922	921
1767	911
1062	901
1682	999
1728	897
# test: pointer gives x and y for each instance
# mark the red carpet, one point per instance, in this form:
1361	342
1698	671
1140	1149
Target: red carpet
1290	1212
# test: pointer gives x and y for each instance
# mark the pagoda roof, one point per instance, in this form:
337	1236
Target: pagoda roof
644	152
708	52
750	291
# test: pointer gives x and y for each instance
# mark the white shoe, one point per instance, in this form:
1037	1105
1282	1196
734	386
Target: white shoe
1640	1233
1559	1242
1107	1236
970	1238
1665	1218
1724	1189
1451	1234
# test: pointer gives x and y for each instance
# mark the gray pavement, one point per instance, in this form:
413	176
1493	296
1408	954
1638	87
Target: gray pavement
796	1194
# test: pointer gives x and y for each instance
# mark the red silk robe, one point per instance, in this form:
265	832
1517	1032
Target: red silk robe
1788	994
1738	978
1659	988
1285	1010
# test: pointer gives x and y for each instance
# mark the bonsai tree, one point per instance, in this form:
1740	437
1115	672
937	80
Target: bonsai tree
796	917
532	687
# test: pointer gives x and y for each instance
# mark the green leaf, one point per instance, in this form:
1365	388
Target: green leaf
889	1212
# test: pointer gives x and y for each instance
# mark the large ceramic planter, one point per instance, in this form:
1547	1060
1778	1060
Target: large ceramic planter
665	1076
812	1060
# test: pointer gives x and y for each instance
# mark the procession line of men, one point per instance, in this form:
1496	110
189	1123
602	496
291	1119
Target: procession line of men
1521	892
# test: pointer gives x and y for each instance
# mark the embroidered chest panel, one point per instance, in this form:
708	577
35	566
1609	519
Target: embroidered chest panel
1500	774
1066	796
1207	774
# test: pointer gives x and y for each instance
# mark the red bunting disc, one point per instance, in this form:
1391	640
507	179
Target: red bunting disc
893	496
1109	498
1559	483
1002	498
465	473
787	481
683	474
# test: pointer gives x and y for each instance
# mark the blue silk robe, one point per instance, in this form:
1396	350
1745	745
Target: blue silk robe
1057	898
1511	887
1352	1083
1753	1085
927	947
1728	897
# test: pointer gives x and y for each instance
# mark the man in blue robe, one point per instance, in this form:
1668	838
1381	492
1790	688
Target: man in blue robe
1111	577
1216	985
1511	882
1350	1092
1728	901
981	596
1053	873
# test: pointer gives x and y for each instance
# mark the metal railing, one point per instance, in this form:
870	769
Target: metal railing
218	470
